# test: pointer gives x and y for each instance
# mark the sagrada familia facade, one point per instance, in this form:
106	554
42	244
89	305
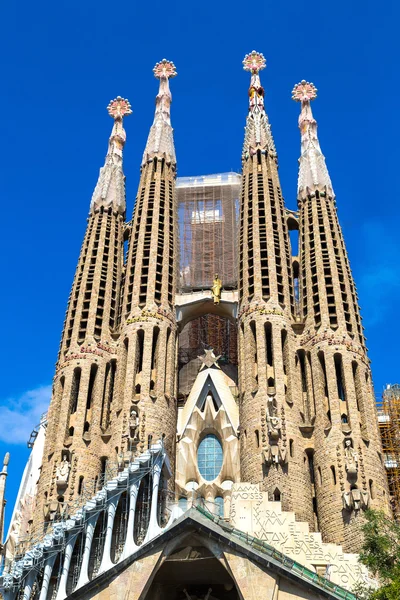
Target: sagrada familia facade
257	457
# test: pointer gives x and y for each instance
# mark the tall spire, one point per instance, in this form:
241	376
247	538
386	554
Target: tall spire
313	173
110	188
160	142
258	134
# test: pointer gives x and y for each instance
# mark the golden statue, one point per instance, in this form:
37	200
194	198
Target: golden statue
216	289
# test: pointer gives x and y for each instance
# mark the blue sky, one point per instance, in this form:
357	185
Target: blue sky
62	63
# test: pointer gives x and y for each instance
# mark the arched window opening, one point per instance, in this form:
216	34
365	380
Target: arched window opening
344	418
319	476
333	473
310	459
301	354
167	362
277	495
92	379
140	347
71	431
291	448
311	388
307	392
76	381
86	427
154	346
103	471
268	344
372	490
284	349
357	379
294	241
315	510
327	405
254	350
108	392
80	485
339	377
257	438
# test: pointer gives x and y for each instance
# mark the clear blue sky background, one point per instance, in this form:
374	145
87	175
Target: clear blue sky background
61	63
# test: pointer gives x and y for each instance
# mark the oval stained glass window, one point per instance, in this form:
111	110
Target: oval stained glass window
210	457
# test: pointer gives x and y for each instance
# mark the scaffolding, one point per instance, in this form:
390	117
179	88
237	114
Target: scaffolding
208	212
208	209
389	426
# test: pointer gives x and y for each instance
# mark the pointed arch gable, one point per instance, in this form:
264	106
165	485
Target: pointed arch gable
215	381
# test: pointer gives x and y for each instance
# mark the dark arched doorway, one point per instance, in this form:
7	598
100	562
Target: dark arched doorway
192	572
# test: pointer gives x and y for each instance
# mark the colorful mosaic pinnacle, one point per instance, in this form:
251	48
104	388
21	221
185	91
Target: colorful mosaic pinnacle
254	62
119	108
165	68
304	92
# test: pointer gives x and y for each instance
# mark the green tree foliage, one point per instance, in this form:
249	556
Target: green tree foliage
381	555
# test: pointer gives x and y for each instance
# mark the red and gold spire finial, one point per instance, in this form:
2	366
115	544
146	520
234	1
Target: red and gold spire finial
165	69
254	62
119	108
304	92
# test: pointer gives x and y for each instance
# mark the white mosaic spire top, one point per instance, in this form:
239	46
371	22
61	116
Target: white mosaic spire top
160	142
110	188
258	134
313	172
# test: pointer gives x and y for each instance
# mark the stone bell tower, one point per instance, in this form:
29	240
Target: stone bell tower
271	441
79	417
349	472
148	326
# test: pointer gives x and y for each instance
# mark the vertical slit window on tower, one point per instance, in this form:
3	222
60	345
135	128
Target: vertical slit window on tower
339	377
140	348
92	378
268	344
76	381
167	362
333	473
108	393
327	406
254	350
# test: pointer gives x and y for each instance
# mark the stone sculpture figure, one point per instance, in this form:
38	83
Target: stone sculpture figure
216	289
133	424
62	472
351	458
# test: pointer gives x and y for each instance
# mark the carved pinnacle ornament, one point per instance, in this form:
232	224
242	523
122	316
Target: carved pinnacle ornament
304	92
119	108
254	62
165	68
